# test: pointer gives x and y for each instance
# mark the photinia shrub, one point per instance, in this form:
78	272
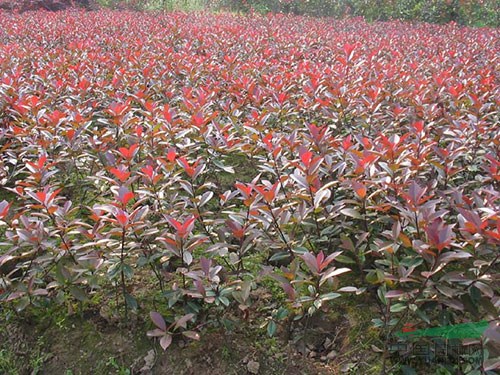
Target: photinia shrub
210	156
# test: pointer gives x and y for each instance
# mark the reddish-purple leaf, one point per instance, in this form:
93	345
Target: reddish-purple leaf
165	341
158	320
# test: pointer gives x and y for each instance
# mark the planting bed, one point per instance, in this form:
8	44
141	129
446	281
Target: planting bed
289	191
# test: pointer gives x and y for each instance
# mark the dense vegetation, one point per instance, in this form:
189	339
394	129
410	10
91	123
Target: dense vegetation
174	166
464	12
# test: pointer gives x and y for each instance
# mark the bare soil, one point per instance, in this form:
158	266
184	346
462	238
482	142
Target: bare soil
90	343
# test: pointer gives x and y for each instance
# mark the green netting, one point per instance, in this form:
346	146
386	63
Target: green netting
458	331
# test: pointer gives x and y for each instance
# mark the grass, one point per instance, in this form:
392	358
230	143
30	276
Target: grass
168	5
13	360
8	363
80	343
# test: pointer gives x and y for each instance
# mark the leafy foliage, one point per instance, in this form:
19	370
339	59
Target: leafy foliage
186	146
464	12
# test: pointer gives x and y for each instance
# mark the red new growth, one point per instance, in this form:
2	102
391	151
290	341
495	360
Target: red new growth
128	153
183	229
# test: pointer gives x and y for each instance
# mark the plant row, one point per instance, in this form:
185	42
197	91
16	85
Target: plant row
211	156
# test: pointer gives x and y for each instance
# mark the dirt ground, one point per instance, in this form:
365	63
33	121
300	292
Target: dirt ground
89	343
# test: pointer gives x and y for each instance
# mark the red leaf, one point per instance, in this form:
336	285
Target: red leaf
167	113
124	195
269	194
440	235
419	126
129	153
158	320
4	208
192	335
347	143
359	189
306	158
182	321
189	169
165	341
41	196
245	190
122	218
348	50
185	228
120	173
171	155
117	109
148	171
311	262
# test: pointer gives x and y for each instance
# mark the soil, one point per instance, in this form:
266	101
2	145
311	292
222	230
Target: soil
91	343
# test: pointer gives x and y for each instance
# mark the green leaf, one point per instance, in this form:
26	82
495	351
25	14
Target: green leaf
22	303
407	370
375	277
223	167
78	293
62	274
381	291
228	324
317	304
113	270
311	310
351	212
60	297
304	299
398	307
469	305
328	231
300	250
411	261
422	315
282	313
329	296
172	297
271	328
193	307
332	272
142	261
488	306
131	301
279	256
345	259
128	271
475	294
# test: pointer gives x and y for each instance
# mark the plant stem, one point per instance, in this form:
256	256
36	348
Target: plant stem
122	272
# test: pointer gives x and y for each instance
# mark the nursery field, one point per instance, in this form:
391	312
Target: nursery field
204	193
